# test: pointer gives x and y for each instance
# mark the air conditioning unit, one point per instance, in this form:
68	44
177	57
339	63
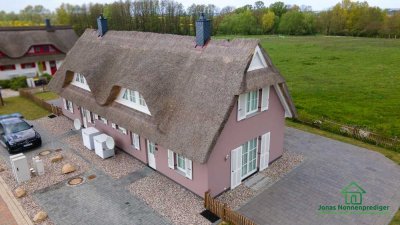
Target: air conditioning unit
87	135
104	146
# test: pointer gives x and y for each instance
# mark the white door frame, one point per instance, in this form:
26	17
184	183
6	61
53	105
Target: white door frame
151	155
236	167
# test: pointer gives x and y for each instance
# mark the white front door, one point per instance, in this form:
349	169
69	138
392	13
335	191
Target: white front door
265	146
83	114
151	148
236	167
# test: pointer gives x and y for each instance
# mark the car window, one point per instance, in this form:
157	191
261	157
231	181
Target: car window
16	127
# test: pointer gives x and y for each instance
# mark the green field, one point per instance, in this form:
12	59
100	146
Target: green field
355	81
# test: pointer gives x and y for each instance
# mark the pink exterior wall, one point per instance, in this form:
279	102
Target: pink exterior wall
237	133
215	175
199	182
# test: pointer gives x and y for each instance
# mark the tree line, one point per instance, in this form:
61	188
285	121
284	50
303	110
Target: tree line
346	18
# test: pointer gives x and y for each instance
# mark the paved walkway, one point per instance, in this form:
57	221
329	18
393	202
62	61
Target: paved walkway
99	201
328	167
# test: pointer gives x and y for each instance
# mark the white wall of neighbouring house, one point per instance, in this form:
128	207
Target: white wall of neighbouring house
8	74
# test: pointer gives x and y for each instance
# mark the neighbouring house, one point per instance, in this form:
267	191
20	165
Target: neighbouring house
205	113
28	51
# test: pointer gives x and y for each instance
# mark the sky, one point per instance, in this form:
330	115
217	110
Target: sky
17	5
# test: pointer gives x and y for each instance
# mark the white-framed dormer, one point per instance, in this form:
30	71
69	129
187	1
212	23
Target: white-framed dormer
80	81
258	60
132	99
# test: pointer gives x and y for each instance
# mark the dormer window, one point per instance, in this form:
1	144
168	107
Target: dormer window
80	81
258	60
133	99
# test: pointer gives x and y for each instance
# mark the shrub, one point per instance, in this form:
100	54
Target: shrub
47	76
5	84
18	82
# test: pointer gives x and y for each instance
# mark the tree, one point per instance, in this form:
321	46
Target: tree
279	8
239	23
268	20
292	23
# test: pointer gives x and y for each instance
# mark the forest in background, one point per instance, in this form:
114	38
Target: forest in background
346	18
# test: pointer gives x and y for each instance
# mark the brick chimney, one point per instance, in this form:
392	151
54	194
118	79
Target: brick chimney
203	30
102	26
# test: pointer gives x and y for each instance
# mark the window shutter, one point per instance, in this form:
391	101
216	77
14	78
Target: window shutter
136	141
96	116
71	107
265	146
188	164
113	125
123	130
241	107
171	159
65	104
265	99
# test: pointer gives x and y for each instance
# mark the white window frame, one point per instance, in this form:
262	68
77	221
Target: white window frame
121	129
132	99
246	156
179	158
80	81
104	120
248	102
68	105
173	163
135	140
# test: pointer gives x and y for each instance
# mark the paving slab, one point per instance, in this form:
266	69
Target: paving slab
98	201
328	167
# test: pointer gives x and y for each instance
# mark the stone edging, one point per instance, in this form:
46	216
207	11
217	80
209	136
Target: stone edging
13	205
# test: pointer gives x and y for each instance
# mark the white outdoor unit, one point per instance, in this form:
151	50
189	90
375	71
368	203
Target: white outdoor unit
88	135
38	166
20	167
104	146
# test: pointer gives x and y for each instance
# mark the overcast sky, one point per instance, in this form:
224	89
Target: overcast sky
16	5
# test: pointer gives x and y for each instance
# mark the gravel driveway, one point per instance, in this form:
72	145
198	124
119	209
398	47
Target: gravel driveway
328	167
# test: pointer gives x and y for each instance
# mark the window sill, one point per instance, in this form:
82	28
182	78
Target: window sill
180	172
252	114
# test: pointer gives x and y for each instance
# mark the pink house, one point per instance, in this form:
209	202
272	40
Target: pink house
205	113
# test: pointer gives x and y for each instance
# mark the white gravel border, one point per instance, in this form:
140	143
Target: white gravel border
168	198
118	166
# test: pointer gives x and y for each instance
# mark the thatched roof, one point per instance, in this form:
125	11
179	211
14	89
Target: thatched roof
16	41
189	91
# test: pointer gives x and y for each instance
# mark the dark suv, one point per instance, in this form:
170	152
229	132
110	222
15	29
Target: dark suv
16	134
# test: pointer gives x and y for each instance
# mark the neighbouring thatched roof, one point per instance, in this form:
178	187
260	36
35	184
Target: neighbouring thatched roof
189	91
16	41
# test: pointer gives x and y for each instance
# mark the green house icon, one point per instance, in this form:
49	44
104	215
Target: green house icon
353	194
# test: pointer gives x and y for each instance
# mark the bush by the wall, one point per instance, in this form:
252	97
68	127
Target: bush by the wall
47	76
18	82
5	84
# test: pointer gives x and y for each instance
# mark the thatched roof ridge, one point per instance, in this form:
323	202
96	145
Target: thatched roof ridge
15	41
190	91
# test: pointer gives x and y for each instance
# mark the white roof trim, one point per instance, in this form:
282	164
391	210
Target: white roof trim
258	60
278	90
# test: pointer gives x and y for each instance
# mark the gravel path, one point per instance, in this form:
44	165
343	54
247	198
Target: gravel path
118	166
170	199
237	197
56	126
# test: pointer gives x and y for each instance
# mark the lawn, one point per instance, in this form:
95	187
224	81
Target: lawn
47	95
24	106
350	80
